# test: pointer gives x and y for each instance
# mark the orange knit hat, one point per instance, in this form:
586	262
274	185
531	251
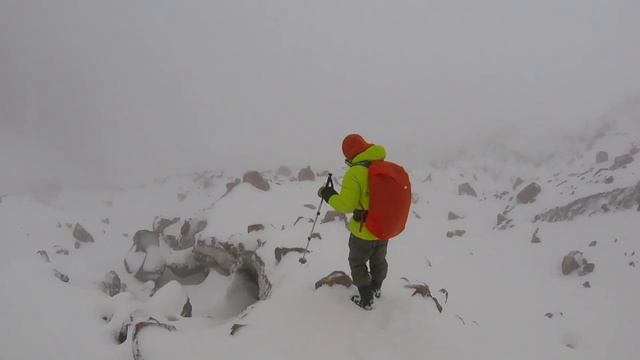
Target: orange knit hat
352	145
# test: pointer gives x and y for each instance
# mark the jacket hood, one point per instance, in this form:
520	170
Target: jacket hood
375	152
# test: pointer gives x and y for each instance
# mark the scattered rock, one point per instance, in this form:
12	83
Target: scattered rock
62	277
255	227
501	219
451	234
232	185
187	309
586	284
256	179
306	174
60	250
284	171
281	252
82	235
549	315
416	215
602	156
608	180
106	221
427	179
534	238
593	243
182	196
621	161
423	289
43	254
466	189
529	193
310	206
571	262
111	284
453	216
336	277
517	183
316	235
587	268
235	328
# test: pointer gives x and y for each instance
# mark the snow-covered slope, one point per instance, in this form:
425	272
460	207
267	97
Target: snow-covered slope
507	296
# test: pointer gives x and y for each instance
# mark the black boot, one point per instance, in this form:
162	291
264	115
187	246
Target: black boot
376	289
365	299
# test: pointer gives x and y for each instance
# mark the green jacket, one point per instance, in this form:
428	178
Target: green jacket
354	193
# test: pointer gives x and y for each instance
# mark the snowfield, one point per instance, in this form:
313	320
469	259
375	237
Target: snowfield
507	296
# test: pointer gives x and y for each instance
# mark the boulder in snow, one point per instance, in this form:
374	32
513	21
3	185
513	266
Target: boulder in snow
466	189
529	193
111	285
306	174
255	227
336	277
256	179
621	161
82	235
602	156
453	216
281	252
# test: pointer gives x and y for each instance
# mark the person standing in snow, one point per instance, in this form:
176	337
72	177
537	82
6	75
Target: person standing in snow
354	198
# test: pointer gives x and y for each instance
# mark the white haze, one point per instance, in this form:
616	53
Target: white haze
102	92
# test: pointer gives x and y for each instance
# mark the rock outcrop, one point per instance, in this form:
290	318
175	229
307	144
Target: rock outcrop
618	199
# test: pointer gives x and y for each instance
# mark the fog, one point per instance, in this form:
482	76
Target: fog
117	92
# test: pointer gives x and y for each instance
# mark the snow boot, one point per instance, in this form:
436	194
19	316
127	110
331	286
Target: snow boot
365	299
376	289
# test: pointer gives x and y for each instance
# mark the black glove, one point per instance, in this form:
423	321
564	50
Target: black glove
326	193
360	215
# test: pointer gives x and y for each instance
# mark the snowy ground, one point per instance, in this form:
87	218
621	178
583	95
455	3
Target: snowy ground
508	298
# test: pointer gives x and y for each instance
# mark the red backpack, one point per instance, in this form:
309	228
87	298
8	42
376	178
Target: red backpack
389	199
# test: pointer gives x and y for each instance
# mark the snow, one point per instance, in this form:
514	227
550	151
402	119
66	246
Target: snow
500	285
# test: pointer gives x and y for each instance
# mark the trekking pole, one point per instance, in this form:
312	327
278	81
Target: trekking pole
303	259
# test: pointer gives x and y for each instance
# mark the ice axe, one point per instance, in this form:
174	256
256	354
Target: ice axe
303	259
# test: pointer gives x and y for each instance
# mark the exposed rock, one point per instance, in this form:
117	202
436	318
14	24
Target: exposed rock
571	262
82	235
62	277
106	221
281	252
423	290
451	234
501	219
332	215
44	256
143	239
602	156
60	250
608	180
111	284
298	219
284	171
316	235
187	309
256	179
621	161
587	268
593	243
586	284
618	199
534	238
306	174
336	277
255	227
161	224
466	189
517	183
231	185
235	328
454	216
310	206
529	193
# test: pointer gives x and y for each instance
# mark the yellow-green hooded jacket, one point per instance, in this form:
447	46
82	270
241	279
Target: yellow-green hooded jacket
354	193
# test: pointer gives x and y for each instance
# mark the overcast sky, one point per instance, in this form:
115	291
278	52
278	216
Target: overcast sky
115	90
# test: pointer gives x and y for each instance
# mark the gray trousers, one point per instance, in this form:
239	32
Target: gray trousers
363	251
